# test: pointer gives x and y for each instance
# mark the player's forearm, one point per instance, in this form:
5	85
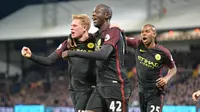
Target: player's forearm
171	73
46	61
97	55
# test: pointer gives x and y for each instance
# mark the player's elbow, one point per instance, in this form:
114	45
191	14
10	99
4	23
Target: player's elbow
104	58
48	62
105	55
174	70
106	51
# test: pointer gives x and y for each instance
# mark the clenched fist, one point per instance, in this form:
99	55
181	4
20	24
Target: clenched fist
26	52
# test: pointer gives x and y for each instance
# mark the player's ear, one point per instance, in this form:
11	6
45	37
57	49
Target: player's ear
154	34
107	15
85	28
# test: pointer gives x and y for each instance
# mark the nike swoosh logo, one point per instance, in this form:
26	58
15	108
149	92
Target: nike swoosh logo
142	50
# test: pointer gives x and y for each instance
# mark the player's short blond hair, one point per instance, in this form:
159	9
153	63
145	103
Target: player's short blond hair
85	19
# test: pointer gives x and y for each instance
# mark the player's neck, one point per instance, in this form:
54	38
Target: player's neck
84	37
104	26
151	45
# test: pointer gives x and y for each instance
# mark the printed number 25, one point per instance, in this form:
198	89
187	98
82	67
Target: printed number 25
155	108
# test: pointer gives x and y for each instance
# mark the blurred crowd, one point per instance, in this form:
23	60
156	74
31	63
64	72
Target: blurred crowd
52	89
36	93
181	93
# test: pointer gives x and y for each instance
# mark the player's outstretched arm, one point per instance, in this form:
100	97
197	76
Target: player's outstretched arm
46	61
97	55
196	95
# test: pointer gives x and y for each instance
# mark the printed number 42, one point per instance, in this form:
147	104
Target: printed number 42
116	106
155	108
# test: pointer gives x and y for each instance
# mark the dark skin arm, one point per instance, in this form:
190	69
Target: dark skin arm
102	54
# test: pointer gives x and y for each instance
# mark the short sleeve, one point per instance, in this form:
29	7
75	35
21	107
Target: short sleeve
168	59
112	36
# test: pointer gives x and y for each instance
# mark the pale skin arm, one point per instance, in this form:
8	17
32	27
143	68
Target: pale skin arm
42	60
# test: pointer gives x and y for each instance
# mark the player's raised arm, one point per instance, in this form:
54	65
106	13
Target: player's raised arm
133	41
46	61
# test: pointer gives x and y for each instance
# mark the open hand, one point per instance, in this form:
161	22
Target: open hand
161	82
